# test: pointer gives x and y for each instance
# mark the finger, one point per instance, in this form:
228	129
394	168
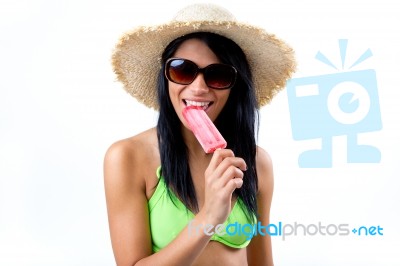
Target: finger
234	184
229	187
228	169
229	161
218	156
231	172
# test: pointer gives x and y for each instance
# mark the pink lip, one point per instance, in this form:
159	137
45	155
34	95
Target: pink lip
198	100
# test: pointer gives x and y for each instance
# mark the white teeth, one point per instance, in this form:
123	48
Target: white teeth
203	104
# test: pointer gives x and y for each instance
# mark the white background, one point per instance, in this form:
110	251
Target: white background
60	108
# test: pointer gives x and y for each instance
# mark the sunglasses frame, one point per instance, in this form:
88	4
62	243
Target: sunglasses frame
199	70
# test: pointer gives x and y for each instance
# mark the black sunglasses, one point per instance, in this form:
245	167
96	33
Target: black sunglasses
184	72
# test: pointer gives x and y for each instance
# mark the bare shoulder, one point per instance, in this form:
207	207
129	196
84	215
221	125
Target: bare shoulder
139	147
264	169
132	159
263	158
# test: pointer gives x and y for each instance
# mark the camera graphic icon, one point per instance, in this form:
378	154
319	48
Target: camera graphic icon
338	104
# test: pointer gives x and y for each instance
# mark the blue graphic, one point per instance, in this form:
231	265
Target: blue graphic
325	106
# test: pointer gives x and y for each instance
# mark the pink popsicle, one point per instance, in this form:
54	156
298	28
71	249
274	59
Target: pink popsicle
203	129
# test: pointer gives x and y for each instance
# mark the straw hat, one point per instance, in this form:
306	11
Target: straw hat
137	56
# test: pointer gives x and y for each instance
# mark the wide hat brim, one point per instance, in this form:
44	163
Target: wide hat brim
137	56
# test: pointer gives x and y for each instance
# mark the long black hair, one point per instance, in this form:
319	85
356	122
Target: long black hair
237	122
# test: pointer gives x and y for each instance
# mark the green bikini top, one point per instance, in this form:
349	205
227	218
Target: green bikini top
169	216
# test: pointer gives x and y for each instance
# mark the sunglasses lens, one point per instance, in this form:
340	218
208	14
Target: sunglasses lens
216	76
219	76
181	71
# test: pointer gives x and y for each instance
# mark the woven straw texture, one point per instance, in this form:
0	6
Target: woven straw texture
137	55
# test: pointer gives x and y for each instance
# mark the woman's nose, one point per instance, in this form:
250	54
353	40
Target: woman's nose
199	86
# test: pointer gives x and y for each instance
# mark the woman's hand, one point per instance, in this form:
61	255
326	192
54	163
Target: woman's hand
223	175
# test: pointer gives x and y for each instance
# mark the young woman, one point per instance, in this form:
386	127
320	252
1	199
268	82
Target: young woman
169	202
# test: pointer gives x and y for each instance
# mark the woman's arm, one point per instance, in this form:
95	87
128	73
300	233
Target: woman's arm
126	205
128	213
259	252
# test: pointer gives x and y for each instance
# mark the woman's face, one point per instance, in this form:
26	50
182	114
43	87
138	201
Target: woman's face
197	92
